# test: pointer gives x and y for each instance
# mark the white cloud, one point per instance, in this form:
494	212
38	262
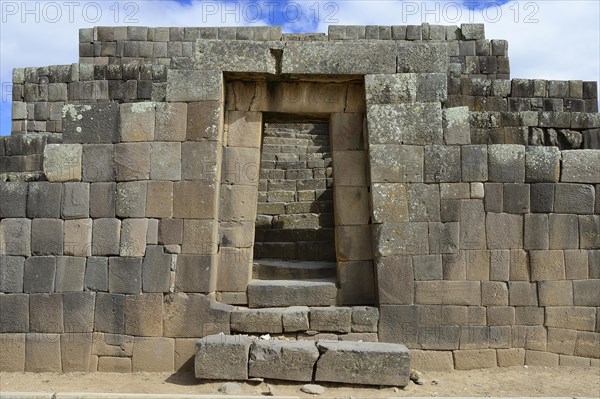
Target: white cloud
564	43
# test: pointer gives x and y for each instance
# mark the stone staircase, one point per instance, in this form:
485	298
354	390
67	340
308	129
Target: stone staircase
281	283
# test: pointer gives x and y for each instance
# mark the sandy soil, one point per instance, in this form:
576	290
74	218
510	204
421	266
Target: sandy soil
514	381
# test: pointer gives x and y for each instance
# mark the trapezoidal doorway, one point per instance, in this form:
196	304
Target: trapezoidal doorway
312	236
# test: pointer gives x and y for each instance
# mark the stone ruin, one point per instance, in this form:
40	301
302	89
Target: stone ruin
348	194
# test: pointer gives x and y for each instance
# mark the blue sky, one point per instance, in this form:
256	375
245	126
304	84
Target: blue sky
558	39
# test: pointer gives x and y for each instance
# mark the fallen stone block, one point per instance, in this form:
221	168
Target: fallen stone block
223	357
370	363
283	360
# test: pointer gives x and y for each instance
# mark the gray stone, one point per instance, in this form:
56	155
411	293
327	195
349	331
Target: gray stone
390	89
506	163
536	232
91	123
230	388
444	237
331	319
586	293
273	293
191	85
222	357
423	203
98	163
47	237
563	231
14	199
106	236
78	237
76	201
70	273
340	57
96	274
39	274
195	273
283	360
312	389
109	313
504	231
11	273
250	56
516	198
542	197
442	164
156	270
474	159
43	200
542	164
472	225
171	121
132	161
581	166
78	312
364	319
387	241
209	317
589	231
295	318
423	58
455	122
124	275
574	198
136	121
395	280
396	163
102	200
131	199
62	162
15	313
370	363
165	161
257	320
473	31
428	267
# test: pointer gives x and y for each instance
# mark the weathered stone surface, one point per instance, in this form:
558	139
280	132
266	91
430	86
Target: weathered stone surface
575	318
13	350
364	319
395	280
389	202
340	57
474	160
62	162
15	237
70	273
581	166
274	293
124	275
14	199
472	225
137	121
506	163
220	357
257	320
589	231
195	199
75	200
78	237
42	353
43	200
422	58
165	161
91	123
574	198
442	164
448	292
15	313
204	120
405	123
133	237
504	231
474	359
336	319
363	363
536	232
171	121
391	88
295	318
47	237
107	364
76	351
354	243
144	315
156	270
283	360
431	360
153	354
78	312
455	123
563	231
96	274
538	358
357	282
235	269
98	163
209	317
102	200
194	85
132	161
11	274
542	164
195	273
510	357
39	274
391	239
588	344
106	235
109	314
396	163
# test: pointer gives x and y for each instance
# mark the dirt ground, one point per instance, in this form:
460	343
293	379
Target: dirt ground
513	381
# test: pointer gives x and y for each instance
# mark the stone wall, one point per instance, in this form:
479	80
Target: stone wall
464	209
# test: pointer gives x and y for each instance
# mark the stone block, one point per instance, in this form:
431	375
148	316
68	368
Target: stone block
137	121
472	225
536	232
542	164
14	199
474	359
165	161
13	349
336	319
555	293
352	205
563	231
62	162
170	231
395	163
427	267
547	265
78	312
348	128
494	293
542	197
278	293
389	202
474	160
506	163
257	320
39	274
504	231
70	273
516	198
180	308
102	200
588	344
365	363
295	319
185	351
442	164
76	352
75	201
353	243
171	122
204	120
195	273
581	166
477	265
98	163
586	292
240	166
454	266
15	237
431	360
574	318
106	235
235	269
131	199
78	237
576	264
244	129
144	315
159	199
357	284
15	313
207	85
47	237
561	341
156	270
223	357
500	315
448	292
522	293
422	58
43	200
42	353
423	202
352	166
500	265
395	280
11	274
391	239
109	314
455	123
124	275
107	364
200	161
91	123
573	361
153	354
417	124
364	319
537	358
510	357
283	360
574	198
589	231
391	88
196	200
132	161
96	274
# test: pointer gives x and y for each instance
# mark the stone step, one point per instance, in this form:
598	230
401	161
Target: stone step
370	363
278	293
277	269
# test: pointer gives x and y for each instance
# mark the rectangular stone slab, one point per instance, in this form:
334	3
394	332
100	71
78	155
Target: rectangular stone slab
283	360
280	293
370	363
222	357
